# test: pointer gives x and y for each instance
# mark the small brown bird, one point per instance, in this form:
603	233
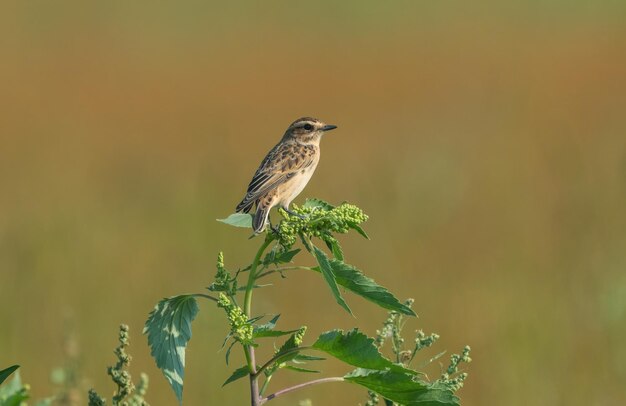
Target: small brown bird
285	171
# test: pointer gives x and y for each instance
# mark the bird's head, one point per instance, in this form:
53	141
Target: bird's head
307	130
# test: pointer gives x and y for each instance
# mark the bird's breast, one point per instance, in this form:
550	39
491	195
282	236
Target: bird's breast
294	186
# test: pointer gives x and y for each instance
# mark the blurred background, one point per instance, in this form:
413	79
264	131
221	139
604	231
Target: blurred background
486	140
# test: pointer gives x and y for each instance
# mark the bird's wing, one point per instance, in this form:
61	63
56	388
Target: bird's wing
280	164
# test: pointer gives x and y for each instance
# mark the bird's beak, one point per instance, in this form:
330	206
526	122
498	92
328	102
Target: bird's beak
329	127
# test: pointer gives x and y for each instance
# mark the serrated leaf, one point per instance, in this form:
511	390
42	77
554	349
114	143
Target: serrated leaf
267	326
403	388
355	281
169	330
238	374
267	329
313	203
4	374
329	277
298	369
238	220
356	349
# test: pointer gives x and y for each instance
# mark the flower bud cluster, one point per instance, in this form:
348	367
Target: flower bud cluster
299	336
223	280
94	399
456	382
118	373
387	330
424	341
239	326
318	221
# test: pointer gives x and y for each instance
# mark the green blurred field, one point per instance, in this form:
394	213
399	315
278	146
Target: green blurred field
487	141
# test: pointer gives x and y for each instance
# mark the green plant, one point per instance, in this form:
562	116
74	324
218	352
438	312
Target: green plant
169	325
14	392
126	394
392	331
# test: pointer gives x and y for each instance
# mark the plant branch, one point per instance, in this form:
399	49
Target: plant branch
287	268
205	296
300	386
265	385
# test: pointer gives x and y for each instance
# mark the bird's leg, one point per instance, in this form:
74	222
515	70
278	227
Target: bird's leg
274	229
300	216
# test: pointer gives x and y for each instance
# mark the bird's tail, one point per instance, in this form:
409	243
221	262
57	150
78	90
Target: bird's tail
260	217
244	206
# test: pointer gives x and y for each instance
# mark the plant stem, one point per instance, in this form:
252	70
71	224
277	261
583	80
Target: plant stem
252	277
300	386
247	305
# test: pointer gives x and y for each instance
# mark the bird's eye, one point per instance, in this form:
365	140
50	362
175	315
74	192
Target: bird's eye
308	127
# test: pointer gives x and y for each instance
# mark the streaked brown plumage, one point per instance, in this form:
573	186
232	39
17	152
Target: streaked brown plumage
285	171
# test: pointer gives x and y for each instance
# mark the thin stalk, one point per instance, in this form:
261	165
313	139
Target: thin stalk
247	305
287	268
205	296
300	386
265	385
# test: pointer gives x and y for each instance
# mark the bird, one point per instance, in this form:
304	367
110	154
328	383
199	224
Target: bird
285	170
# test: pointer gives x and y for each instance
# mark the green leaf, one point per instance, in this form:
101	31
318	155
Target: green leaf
313	203
334	247
279	257
230	347
355	281
238	220
169	330
357	349
287	352
273	333
302	358
267	326
403	388
238	374
329	276
360	231
298	369
267	329
4	374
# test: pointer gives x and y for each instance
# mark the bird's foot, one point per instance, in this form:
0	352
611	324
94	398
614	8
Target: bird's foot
275	230
300	216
